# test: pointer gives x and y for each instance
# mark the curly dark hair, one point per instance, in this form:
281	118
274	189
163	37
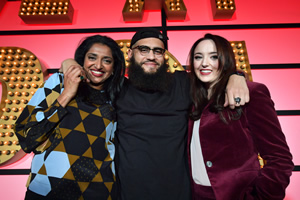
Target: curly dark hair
227	66
114	83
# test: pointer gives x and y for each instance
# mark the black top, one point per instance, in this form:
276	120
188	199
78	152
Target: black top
151	149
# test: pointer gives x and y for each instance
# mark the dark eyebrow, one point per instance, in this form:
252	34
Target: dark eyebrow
209	53
92	54
150	47
141	46
107	57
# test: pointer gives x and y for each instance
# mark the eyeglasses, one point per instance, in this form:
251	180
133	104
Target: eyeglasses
145	50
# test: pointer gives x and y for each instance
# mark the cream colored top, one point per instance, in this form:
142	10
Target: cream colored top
199	172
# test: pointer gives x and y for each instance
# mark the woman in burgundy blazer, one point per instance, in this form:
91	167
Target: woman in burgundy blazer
223	150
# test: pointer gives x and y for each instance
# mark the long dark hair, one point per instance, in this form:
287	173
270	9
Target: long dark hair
114	83
198	91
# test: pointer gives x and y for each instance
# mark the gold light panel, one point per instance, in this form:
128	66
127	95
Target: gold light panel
20	75
222	9
175	9
241	57
171	61
46	11
134	9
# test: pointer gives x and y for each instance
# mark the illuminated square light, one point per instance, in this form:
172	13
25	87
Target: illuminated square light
46	12
133	10
175	9
223	9
241	57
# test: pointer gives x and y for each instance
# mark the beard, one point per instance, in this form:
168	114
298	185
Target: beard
151	82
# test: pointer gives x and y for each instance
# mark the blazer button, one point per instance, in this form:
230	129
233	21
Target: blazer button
208	163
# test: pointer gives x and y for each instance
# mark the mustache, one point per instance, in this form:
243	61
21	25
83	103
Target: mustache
150	61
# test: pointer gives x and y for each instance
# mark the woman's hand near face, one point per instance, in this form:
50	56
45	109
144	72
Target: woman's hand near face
72	77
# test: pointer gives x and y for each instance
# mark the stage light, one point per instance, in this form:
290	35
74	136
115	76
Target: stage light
21	75
175	10
50	12
133	9
241	57
222	9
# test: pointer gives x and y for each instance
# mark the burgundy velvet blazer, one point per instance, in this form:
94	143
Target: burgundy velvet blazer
230	151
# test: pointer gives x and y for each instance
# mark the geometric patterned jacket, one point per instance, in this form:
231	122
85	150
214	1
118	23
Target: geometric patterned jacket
74	146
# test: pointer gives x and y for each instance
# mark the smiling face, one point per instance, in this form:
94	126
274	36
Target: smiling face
149	62
98	65
206	63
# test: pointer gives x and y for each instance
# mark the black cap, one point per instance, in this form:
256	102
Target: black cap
148	33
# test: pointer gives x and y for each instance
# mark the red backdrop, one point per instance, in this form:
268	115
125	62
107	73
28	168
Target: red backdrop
275	41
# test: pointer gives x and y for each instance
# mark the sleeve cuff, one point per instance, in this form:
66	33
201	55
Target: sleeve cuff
59	114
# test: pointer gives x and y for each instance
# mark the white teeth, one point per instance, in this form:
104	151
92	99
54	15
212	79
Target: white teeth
97	72
205	71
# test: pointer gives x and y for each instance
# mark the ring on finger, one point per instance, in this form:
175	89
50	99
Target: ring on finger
237	100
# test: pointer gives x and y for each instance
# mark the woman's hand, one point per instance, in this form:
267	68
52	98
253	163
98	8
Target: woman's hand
73	75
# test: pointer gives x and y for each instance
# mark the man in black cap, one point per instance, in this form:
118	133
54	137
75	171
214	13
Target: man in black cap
152	114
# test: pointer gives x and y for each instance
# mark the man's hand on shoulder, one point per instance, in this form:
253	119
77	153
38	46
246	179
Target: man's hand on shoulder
237	92
66	64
